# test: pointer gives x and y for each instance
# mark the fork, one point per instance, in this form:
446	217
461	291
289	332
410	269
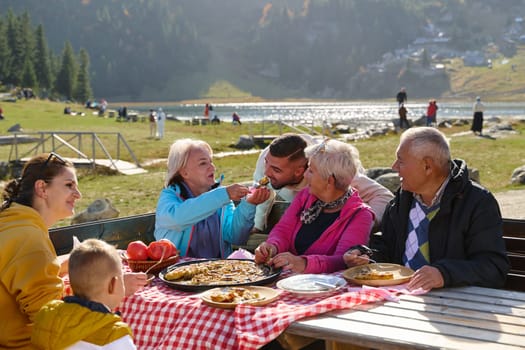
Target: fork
370	260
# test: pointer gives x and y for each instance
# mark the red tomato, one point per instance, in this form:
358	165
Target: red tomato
174	250
159	249
137	250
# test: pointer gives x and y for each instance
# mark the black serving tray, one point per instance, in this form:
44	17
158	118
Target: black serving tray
269	275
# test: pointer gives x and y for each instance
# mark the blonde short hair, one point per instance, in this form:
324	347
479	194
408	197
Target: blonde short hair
91	264
337	159
178	157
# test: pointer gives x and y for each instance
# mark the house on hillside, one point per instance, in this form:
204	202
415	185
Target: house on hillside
474	59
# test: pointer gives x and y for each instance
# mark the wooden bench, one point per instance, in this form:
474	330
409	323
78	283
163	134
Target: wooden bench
119	232
514	236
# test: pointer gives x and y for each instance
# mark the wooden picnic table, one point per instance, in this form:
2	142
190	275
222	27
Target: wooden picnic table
454	318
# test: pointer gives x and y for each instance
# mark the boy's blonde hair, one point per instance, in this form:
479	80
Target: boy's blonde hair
91	265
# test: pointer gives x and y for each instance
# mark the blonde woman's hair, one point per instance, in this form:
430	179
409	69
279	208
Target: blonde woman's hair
178	157
337	159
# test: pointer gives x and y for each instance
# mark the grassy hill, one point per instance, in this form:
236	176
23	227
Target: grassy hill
495	159
505	81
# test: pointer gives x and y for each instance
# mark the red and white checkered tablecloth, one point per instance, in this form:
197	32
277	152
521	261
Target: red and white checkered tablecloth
165	318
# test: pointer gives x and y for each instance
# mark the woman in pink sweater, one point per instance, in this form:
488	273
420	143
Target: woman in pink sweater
325	219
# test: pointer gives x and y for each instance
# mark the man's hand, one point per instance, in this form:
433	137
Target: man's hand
427	277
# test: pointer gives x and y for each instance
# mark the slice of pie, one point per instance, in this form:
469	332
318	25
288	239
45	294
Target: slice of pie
373	275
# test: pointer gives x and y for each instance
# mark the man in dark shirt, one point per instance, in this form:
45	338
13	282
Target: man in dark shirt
401	96
403	122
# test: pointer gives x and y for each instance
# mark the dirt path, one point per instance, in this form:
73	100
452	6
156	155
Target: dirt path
512	203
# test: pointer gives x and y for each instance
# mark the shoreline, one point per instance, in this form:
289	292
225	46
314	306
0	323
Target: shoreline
203	101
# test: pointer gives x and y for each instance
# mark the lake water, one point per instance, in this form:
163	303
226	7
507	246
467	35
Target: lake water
356	114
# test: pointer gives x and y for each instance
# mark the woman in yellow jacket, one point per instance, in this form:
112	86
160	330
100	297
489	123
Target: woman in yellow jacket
45	193
29	270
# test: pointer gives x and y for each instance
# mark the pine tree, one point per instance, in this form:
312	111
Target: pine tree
83	87
65	80
16	48
54	63
26	32
5	55
425	60
42	64
29	76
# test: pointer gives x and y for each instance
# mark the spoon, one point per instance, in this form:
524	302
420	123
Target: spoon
157	263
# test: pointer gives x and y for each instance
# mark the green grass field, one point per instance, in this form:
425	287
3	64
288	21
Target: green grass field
495	159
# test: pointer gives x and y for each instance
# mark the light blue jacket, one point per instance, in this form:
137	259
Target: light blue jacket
175	218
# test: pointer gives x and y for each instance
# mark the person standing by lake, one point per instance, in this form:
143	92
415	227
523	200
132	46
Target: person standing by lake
161	120
152	124
403	122
208	109
432	113
401	96
477	121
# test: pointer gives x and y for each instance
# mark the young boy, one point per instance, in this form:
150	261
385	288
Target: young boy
85	320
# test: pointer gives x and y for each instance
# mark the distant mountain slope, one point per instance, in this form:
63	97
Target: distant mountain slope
174	50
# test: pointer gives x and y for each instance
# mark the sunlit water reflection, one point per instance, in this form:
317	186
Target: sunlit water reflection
353	113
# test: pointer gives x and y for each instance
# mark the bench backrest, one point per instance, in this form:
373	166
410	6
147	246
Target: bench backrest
514	236
118	232
121	231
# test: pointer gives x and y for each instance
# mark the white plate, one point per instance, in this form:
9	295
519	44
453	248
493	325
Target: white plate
311	284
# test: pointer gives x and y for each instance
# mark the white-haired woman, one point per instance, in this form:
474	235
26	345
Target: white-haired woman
325	219
197	216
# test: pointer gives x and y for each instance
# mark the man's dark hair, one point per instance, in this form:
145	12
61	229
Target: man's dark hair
288	145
